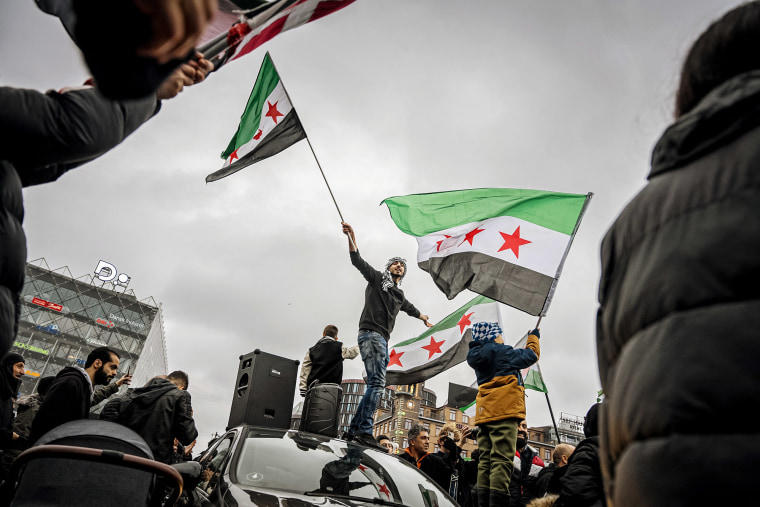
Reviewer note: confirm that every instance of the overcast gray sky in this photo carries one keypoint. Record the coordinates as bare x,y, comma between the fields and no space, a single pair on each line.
397,97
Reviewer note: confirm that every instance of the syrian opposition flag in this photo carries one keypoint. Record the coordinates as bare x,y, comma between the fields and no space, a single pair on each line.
440,347
531,375
268,125
261,22
507,244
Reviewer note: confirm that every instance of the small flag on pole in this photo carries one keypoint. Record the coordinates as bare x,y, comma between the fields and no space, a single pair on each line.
268,125
506,244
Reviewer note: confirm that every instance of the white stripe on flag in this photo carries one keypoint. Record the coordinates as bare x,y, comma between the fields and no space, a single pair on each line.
277,98
412,355
543,251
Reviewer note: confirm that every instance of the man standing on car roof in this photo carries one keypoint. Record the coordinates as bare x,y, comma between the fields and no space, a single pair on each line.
383,299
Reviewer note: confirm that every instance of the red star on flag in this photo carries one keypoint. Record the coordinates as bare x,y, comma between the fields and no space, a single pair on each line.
233,156
273,112
464,322
433,347
438,243
396,358
513,242
384,489
362,468
258,134
471,235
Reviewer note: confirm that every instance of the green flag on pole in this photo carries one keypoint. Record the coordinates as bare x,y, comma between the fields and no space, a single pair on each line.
268,125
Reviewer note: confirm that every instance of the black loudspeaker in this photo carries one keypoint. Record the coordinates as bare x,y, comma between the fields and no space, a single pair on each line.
264,391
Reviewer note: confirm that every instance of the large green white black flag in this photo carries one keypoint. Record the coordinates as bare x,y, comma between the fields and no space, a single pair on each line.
507,244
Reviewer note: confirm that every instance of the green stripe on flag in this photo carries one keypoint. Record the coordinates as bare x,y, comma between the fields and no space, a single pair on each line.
422,214
266,82
449,322
534,380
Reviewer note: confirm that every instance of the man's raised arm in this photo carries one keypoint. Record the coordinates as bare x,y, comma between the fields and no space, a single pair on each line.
349,231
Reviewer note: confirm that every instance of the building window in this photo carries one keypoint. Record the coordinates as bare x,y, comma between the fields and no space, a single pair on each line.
407,424
422,412
547,455
426,426
406,443
465,419
410,404
452,415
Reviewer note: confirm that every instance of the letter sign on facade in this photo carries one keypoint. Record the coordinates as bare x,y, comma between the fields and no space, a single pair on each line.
106,272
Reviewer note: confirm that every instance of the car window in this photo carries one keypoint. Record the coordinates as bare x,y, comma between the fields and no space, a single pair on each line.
304,464
213,462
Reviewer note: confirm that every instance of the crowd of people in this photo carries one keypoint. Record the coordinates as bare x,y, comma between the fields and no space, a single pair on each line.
160,412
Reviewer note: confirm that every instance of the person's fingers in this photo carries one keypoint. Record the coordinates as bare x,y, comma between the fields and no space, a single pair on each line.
167,25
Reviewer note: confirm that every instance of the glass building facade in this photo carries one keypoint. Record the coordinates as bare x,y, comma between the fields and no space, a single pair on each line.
63,319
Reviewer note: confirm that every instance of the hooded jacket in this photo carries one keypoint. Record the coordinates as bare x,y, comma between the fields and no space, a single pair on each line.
9,386
68,399
501,393
679,311
159,412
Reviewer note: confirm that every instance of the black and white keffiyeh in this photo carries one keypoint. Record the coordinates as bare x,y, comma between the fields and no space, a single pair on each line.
387,278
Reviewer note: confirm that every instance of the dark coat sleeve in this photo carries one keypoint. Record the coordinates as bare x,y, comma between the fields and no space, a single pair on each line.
581,484
46,134
103,393
111,410
184,425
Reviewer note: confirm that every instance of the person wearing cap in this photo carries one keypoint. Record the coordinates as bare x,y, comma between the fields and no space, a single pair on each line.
383,300
500,405
11,370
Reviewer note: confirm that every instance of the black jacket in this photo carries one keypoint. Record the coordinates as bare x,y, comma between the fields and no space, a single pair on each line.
158,412
68,399
43,135
437,468
380,307
581,484
679,312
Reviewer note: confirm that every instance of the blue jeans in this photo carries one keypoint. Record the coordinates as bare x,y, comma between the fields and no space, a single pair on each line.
374,351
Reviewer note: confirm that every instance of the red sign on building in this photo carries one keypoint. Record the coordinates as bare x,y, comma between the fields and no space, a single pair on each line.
47,304
104,322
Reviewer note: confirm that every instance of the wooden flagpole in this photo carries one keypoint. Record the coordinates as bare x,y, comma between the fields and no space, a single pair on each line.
292,104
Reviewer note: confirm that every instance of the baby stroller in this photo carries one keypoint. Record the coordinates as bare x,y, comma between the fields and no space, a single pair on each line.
89,462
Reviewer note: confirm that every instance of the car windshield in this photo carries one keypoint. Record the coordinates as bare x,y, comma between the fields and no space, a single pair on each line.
309,464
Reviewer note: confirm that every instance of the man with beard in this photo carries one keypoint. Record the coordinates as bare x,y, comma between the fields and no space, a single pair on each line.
523,487
383,300
70,396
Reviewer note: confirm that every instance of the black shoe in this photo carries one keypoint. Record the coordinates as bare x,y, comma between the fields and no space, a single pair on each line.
367,440
347,436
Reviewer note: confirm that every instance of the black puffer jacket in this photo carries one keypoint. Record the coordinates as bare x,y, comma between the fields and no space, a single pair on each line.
677,328
43,135
158,412
581,481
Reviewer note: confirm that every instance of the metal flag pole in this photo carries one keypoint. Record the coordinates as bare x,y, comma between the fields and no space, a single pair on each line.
312,149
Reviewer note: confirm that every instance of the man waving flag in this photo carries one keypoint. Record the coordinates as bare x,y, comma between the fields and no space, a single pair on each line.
268,125
507,244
